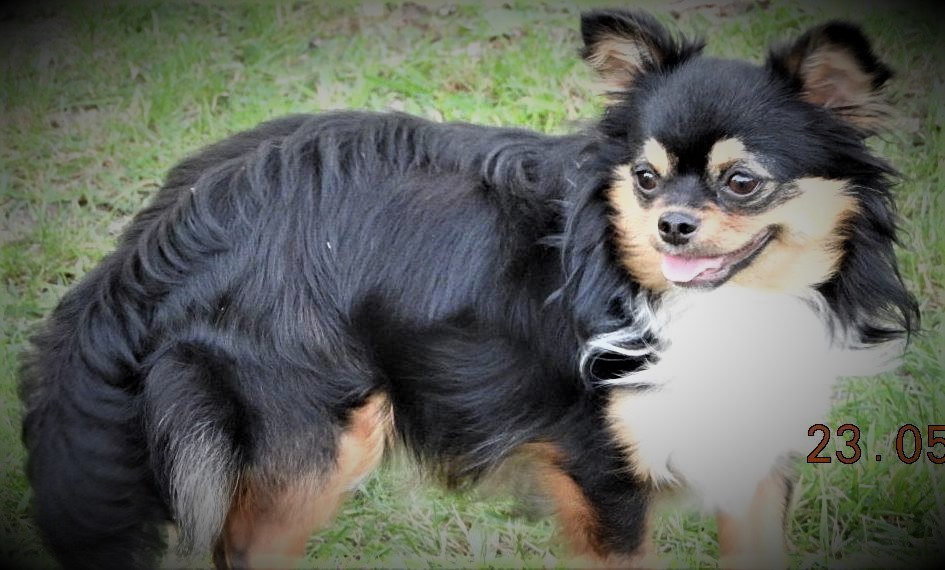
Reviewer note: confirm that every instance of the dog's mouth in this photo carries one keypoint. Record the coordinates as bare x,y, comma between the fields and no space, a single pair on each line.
694,271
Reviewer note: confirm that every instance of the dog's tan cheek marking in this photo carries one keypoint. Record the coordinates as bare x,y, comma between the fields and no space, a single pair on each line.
269,524
724,233
656,155
809,248
633,228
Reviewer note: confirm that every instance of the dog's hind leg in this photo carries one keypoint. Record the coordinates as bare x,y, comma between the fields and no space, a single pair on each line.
252,452
270,519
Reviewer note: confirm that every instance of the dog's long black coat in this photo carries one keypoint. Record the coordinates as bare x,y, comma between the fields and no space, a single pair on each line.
282,276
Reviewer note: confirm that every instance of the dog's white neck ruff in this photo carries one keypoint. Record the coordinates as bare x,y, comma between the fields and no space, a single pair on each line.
735,379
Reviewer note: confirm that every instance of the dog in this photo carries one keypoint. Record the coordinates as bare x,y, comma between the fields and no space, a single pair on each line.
659,300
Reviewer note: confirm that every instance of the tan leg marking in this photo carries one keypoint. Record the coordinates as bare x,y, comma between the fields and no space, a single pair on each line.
576,516
269,522
755,539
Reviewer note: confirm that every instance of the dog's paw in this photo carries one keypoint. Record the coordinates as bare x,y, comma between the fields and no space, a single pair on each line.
753,561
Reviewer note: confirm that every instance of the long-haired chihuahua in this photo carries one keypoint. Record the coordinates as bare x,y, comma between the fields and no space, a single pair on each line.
659,300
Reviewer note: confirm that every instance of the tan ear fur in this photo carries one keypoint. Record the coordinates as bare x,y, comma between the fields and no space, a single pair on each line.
834,67
622,45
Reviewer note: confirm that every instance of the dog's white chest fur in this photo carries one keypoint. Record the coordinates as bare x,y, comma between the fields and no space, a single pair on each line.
742,376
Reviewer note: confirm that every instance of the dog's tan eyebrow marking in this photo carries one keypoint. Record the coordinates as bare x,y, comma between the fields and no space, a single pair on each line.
726,152
656,155
729,151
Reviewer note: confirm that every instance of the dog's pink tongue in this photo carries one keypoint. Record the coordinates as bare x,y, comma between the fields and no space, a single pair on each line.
685,269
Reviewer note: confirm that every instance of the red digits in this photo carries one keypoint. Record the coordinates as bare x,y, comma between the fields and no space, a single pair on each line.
933,441
853,443
917,439
814,456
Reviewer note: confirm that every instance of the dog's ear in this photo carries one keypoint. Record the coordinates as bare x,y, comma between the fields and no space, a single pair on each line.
621,45
834,66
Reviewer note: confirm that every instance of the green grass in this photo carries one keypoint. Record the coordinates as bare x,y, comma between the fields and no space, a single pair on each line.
96,104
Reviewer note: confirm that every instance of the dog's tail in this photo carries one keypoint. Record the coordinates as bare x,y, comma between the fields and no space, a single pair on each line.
123,436
120,443
194,415
93,494
100,488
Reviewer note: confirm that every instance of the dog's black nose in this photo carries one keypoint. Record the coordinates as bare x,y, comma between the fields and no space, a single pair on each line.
676,228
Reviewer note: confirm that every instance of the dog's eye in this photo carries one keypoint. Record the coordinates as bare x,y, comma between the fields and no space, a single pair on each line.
646,178
741,184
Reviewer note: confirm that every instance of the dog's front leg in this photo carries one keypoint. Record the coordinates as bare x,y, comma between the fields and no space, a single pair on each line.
754,537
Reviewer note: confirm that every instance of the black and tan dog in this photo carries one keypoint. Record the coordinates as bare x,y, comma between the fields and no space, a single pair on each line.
659,300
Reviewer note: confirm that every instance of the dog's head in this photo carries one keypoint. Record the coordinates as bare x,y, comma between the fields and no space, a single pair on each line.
730,172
